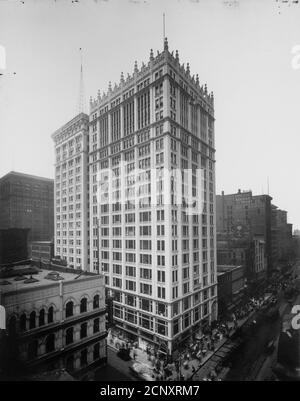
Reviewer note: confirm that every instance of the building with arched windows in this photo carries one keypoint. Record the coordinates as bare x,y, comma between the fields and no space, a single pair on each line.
56,318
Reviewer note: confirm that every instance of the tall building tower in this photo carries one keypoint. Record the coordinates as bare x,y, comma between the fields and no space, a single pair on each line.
26,201
158,259
71,192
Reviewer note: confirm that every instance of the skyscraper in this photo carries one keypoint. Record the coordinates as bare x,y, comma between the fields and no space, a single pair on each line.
71,192
158,256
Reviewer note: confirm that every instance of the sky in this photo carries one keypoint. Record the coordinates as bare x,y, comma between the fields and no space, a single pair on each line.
242,49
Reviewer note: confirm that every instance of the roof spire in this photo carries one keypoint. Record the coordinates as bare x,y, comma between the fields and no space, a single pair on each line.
81,107
164,27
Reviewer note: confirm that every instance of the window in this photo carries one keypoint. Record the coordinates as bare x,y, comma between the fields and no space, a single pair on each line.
161,276
42,317
161,327
69,335
69,309
96,325
83,305
96,351
96,302
161,292
130,285
145,289
32,318
12,326
83,357
50,314
23,322
146,274
50,343
83,330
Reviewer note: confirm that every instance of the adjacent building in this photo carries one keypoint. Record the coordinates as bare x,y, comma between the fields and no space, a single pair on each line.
54,319
249,216
159,260
26,202
42,251
281,236
246,251
231,286
72,192
13,245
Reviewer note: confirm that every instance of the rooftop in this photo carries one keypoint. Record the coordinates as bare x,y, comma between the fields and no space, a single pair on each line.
225,268
139,73
24,175
18,278
73,124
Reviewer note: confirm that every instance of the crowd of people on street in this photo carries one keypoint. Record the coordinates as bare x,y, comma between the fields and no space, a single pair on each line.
204,343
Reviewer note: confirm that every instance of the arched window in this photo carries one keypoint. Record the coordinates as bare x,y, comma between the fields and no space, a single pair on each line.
50,314
96,351
69,309
96,325
69,335
50,343
83,330
12,326
23,322
33,349
32,319
83,357
83,305
70,363
42,317
96,302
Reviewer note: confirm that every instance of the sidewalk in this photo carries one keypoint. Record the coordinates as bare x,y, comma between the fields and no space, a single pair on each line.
187,372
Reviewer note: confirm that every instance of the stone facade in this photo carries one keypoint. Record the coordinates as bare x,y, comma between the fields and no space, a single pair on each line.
59,324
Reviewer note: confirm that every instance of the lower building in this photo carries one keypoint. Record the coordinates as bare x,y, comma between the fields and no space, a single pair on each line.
13,245
42,251
246,250
54,319
231,286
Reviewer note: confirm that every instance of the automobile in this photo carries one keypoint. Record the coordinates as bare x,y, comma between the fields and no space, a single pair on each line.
124,353
142,371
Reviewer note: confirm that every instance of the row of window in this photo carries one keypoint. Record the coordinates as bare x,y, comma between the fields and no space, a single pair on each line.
35,321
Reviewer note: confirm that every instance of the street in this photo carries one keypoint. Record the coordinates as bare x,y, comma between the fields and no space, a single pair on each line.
116,369
253,363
